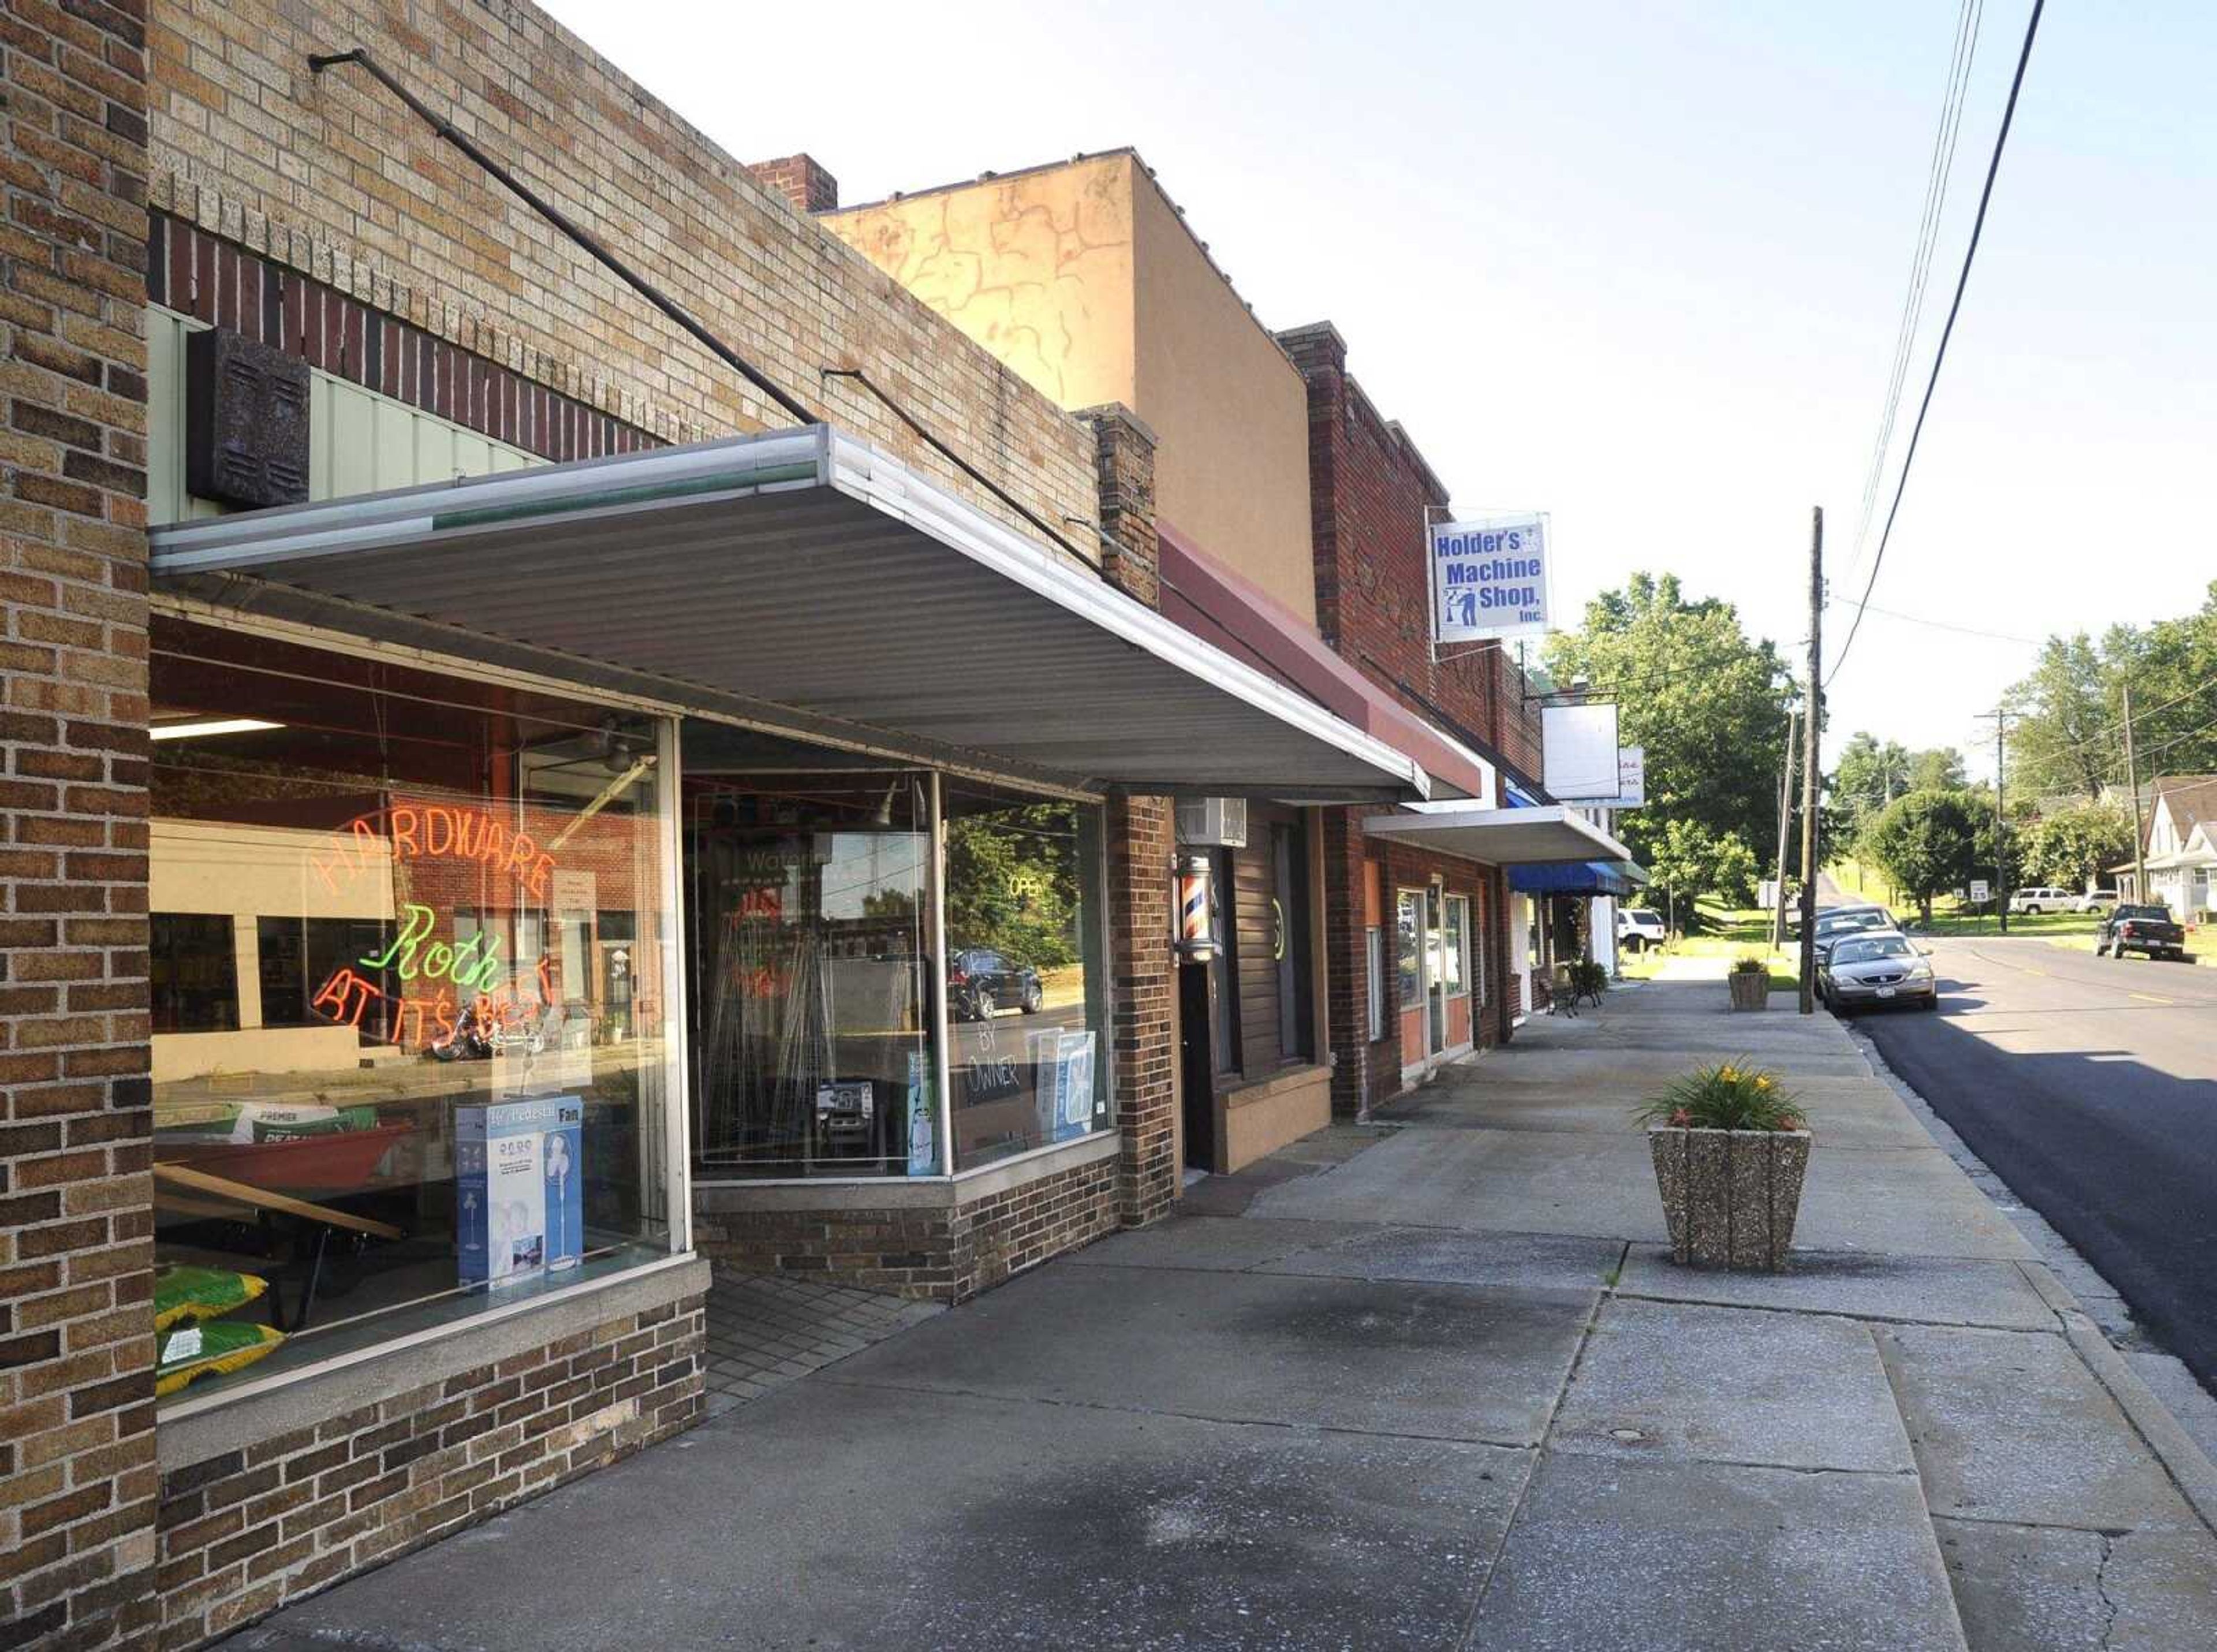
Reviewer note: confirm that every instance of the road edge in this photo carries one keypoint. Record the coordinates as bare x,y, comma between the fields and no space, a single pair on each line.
2182,1460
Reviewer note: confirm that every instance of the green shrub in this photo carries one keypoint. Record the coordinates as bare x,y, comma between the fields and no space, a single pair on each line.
1587,976
1730,1096
1751,963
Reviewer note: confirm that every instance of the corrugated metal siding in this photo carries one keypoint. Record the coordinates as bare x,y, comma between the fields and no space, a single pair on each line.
359,441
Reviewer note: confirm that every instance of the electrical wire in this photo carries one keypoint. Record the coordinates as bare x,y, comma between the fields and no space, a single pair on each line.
1969,16
2140,715
1944,624
1948,332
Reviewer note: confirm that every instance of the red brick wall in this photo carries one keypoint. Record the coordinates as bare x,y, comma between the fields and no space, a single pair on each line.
803,184
1371,495
244,1532
1141,838
76,1329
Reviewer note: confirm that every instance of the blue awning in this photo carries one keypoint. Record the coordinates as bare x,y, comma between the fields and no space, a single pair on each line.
1576,877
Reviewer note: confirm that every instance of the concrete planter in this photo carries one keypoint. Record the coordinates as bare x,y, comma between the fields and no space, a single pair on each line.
1749,992
1731,1196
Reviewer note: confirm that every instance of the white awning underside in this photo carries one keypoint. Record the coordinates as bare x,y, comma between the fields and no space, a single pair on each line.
1518,837
801,582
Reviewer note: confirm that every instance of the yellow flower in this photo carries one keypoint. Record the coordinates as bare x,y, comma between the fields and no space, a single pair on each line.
1763,1081
1728,1075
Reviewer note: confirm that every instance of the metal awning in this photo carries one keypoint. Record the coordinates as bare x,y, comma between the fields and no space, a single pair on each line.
802,582
1514,836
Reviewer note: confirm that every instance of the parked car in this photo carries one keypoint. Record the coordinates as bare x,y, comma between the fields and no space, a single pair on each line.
2095,900
1838,921
980,981
2151,929
2033,902
1639,927
1870,968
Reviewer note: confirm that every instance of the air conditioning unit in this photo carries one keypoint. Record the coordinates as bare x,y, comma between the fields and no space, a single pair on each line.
1212,822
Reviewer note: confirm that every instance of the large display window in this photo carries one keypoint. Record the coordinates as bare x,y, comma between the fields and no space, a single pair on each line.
410,1024
839,918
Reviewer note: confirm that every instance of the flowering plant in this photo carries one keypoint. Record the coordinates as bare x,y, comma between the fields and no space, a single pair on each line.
1730,1096
1751,963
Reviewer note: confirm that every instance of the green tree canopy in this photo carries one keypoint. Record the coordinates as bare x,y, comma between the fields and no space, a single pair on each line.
1708,704
1688,860
2071,848
1929,842
2068,736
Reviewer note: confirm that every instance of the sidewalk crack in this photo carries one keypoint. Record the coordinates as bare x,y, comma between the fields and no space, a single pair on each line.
2101,1588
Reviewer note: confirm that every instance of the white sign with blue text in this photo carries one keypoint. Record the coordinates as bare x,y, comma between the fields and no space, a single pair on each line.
1489,578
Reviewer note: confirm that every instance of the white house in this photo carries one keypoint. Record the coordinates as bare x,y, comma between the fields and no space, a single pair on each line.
2179,844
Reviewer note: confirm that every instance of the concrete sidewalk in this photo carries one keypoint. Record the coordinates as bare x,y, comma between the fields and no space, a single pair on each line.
1428,1383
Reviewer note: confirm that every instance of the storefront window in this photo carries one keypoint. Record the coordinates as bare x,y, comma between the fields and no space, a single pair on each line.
807,899
1408,925
410,1027
1026,980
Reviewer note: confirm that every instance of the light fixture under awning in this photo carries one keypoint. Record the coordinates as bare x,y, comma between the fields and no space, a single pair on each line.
809,584
1516,837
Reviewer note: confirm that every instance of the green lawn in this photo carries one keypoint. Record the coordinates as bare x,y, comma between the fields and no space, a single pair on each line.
1947,921
1731,933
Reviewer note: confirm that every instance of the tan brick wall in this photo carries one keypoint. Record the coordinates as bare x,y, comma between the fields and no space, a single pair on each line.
331,175
76,1329
247,1531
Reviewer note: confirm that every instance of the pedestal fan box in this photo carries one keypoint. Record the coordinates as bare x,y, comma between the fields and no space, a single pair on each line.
519,1188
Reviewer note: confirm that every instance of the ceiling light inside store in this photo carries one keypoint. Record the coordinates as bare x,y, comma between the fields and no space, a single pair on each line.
206,726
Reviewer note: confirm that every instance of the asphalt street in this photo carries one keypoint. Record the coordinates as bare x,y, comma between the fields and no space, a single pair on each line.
2090,1085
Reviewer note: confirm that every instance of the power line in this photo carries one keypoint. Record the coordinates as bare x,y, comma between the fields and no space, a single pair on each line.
1941,170
1954,308
1945,625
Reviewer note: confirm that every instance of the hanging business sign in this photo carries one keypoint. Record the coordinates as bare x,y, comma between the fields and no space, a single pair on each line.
1489,578
1578,752
1631,779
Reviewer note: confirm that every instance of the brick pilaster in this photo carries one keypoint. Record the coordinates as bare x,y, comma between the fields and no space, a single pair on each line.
1141,841
77,1342
799,182
1347,969
1131,558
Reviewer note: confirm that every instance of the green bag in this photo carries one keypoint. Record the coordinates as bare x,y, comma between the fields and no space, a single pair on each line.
201,1294
293,1129
193,1350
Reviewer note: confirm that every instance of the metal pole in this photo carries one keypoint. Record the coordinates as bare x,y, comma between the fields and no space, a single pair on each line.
2001,881
1785,824
2132,785
1811,720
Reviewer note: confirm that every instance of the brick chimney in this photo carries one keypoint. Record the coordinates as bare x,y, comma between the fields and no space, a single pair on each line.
806,187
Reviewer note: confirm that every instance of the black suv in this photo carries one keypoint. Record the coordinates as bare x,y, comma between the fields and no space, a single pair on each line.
980,981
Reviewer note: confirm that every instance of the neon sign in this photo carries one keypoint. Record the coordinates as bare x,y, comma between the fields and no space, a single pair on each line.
465,965
432,831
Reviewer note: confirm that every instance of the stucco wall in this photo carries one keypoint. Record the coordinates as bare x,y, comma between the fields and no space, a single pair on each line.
1083,278
1035,266
1230,410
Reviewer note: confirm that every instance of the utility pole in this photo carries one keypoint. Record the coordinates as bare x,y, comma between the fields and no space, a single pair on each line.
2132,785
1812,718
1785,820
2000,715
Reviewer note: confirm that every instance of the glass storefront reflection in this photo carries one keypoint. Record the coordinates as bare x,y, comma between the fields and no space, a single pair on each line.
1024,981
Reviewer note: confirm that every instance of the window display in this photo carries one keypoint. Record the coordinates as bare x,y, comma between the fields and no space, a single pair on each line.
396,914
807,901
1026,982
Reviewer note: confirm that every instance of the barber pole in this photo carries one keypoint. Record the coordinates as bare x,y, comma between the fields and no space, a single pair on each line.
1196,930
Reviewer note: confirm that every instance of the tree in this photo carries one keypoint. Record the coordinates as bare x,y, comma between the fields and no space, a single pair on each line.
1689,861
1928,842
1871,775
2068,736
1707,704
1937,771
2071,848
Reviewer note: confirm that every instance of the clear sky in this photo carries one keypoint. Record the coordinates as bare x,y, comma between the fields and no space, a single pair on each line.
1640,265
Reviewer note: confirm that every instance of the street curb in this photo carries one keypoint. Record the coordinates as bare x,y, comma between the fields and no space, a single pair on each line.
2188,1465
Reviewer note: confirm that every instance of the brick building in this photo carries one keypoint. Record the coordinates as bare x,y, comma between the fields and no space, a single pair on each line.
829,960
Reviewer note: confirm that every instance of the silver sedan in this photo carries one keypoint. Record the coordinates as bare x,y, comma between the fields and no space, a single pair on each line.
1880,967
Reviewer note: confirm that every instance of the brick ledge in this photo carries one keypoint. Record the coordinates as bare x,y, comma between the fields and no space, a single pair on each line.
229,1422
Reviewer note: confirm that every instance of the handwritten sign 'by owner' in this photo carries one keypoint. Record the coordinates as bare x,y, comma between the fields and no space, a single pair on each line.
1488,578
